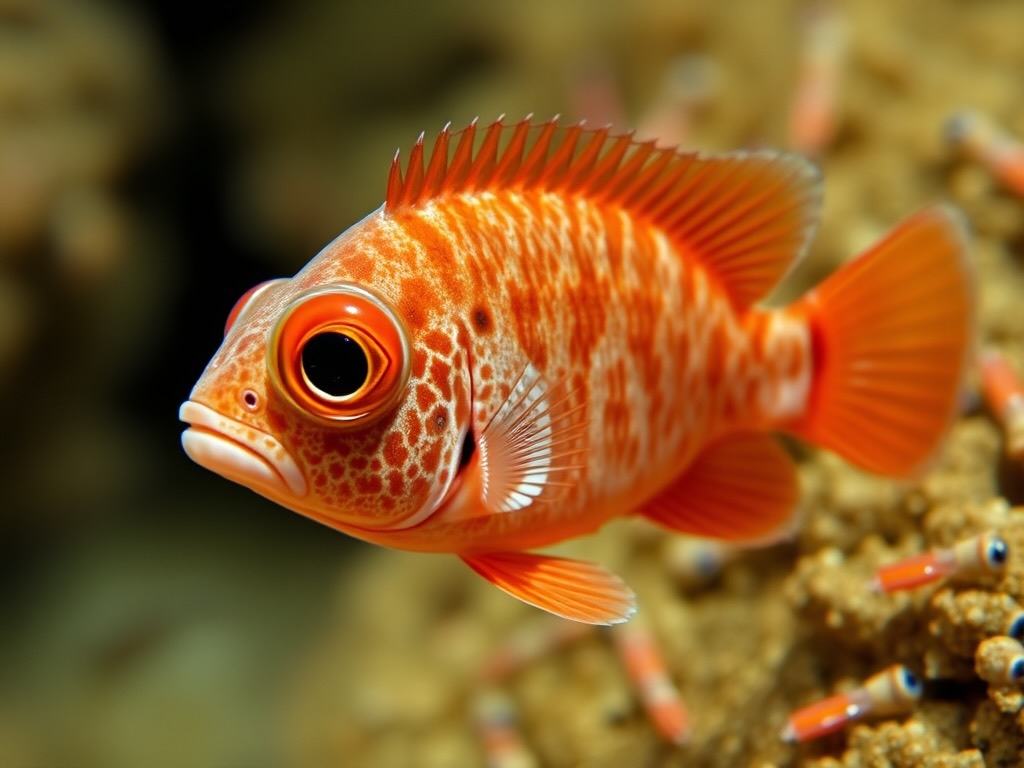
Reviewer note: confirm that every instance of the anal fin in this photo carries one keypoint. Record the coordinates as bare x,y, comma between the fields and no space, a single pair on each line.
743,488
572,589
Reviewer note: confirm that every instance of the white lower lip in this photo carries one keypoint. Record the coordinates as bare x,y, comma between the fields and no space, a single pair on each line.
239,452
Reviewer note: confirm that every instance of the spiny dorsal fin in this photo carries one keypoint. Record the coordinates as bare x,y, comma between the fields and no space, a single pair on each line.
746,216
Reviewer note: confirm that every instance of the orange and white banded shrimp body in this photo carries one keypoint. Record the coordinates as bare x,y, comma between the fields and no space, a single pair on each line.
547,327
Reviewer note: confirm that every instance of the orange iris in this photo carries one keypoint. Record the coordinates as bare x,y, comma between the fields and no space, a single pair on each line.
340,354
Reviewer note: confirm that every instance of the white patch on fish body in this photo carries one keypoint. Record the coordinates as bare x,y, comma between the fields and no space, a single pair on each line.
783,396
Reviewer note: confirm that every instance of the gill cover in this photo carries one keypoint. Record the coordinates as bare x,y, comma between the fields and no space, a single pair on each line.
340,354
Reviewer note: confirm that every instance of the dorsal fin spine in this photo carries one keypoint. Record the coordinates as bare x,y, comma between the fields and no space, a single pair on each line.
582,170
533,165
558,164
438,164
658,186
394,191
462,160
629,173
414,173
512,156
612,160
487,157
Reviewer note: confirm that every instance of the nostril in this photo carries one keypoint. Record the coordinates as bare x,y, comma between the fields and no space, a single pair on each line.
250,400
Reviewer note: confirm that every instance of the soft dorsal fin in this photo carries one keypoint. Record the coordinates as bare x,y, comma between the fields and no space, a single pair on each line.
746,216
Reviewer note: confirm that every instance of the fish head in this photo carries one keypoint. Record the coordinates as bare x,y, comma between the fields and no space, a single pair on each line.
323,399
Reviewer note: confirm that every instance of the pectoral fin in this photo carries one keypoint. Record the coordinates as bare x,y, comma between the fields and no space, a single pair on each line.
572,589
533,444
743,488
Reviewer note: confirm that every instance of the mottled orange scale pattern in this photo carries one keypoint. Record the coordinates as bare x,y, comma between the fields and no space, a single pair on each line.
658,357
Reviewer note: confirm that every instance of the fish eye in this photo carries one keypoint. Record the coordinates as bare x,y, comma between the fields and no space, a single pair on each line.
994,552
340,354
245,301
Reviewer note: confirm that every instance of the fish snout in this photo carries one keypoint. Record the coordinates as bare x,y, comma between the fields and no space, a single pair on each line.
240,452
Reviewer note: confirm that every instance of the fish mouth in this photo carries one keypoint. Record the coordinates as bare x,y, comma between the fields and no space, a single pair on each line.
239,452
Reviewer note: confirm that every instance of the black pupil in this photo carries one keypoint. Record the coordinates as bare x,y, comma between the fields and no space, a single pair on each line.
335,364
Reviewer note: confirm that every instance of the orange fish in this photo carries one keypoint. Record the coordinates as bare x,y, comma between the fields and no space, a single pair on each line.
547,327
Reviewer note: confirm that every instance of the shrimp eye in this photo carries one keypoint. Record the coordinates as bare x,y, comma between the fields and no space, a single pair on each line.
340,354
1017,670
245,301
1015,626
908,684
994,553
